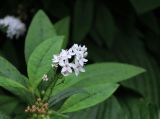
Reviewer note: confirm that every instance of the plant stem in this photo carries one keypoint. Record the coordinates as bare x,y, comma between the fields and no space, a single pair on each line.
51,87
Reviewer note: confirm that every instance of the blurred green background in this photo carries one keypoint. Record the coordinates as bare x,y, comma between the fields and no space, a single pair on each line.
125,31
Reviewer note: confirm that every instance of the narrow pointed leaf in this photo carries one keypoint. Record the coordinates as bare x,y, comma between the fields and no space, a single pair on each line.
14,87
83,16
100,72
142,6
63,27
40,29
9,71
41,59
105,25
93,95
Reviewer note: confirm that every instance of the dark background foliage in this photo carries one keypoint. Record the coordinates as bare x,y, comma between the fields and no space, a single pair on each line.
125,31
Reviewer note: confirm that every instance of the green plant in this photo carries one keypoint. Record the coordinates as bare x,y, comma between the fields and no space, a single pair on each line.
35,98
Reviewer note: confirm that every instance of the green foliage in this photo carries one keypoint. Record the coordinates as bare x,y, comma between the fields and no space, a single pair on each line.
8,101
63,27
16,88
125,31
142,6
98,74
40,61
92,95
40,29
3,116
119,107
146,84
9,71
83,16
105,25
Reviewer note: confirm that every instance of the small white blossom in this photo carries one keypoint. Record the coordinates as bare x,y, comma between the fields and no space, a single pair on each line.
45,77
65,55
81,60
78,68
66,68
13,25
71,52
55,60
75,48
78,56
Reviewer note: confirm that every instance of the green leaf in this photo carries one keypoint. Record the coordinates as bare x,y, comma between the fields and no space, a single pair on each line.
83,16
110,72
123,106
136,107
110,109
148,83
8,101
63,27
142,6
4,116
98,73
19,111
40,29
14,87
105,25
63,95
94,94
41,59
89,113
57,115
9,71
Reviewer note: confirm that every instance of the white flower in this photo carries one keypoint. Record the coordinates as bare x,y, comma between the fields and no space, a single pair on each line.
76,55
81,60
55,60
64,55
77,68
79,50
14,26
59,59
45,77
75,48
71,52
66,68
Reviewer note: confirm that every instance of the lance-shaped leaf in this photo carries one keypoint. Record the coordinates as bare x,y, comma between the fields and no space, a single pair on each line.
98,73
105,25
142,6
83,17
14,87
94,94
62,27
40,29
41,59
9,71
121,107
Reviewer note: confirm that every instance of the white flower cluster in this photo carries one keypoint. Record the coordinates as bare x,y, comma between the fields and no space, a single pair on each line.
76,54
13,25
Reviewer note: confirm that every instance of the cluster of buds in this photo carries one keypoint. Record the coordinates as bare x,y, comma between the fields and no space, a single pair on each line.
39,107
